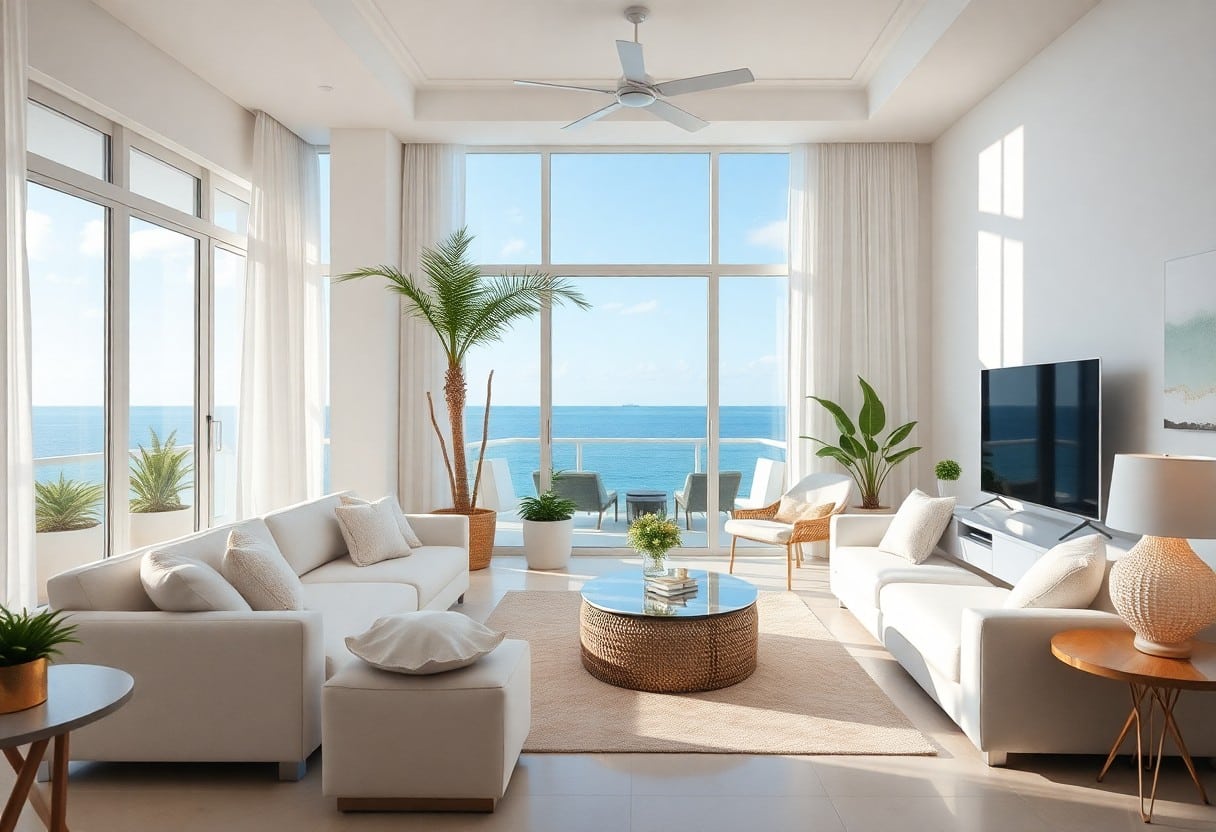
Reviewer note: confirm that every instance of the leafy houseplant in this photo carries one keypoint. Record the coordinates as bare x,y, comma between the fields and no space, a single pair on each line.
65,505
866,456
159,474
548,507
466,310
947,472
27,641
548,527
652,536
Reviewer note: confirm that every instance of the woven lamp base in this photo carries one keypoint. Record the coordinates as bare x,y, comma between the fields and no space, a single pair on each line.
1165,593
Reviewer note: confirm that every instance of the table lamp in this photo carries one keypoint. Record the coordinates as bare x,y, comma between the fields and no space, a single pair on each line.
1161,588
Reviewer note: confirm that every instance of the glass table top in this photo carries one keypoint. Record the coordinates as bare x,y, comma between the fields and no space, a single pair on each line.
624,593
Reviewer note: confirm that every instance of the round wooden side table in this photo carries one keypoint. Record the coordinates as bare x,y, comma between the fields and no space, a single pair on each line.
77,695
1155,683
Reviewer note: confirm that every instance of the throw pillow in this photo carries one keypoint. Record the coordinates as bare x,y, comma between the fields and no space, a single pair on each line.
371,532
1067,577
411,538
917,526
176,583
424,642
261,574
792,510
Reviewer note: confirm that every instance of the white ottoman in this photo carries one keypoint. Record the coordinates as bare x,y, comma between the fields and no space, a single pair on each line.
442,743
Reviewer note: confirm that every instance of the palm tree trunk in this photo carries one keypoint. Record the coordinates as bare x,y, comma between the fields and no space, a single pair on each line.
454,394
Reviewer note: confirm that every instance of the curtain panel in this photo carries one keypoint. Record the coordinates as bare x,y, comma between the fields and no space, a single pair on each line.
853,292
279,445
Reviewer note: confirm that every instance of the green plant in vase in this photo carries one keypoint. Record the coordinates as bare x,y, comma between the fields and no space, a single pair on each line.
159,474
653,536
28,641
65,505
947,472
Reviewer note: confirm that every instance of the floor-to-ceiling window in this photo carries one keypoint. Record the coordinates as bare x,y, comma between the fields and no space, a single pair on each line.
674,381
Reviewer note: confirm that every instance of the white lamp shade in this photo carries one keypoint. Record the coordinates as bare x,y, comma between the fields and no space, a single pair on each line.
1163,496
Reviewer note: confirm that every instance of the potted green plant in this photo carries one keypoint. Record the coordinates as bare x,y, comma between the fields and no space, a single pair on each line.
67,522
861,449
653,536
947,472
548,527
160,472
27,642
465,310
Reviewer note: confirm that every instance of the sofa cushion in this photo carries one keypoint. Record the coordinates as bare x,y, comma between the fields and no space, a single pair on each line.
766,531
109,584
791,510
407,531
929,617
348,609
917,526
424,643
371,531
209,546
428,571
1067,576
308,533
176,583
258,571
867,569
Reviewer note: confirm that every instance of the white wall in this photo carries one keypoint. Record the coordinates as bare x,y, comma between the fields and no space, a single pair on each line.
82,52
1118,117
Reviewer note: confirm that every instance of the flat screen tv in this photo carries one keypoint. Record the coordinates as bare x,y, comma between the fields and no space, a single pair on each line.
1041,435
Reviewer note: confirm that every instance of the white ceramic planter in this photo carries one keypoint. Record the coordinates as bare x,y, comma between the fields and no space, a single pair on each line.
947,488
158,526
547,543
879,510
60,551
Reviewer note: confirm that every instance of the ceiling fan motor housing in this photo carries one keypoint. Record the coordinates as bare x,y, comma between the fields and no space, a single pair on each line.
635,97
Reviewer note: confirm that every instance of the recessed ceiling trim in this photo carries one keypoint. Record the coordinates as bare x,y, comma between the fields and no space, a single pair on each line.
901,16
380,25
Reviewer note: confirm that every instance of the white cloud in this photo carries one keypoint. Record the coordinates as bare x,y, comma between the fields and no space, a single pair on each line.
611,306
511,248
37,234
149,243
770,235
93,239
643,308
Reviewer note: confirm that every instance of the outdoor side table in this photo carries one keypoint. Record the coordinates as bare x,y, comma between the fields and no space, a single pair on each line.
644,501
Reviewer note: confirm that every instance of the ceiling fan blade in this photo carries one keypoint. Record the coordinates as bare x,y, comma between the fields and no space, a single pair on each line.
561,86
632,64
596,116
713,81
678,117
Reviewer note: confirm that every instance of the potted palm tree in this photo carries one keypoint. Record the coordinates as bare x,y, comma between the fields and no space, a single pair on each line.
548,527
67,517
27,643
160,473
466,310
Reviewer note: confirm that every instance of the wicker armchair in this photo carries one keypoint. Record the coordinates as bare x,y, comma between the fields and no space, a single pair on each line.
761,525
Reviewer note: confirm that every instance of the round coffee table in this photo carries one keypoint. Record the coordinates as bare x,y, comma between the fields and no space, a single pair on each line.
635,640
644,501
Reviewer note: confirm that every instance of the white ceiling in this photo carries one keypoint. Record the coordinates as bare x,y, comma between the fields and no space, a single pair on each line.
428,70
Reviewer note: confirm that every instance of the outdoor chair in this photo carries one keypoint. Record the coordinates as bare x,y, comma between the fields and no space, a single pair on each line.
761,524
587,491
767,484
694,495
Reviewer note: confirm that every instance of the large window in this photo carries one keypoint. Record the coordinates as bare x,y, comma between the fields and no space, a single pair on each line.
675,380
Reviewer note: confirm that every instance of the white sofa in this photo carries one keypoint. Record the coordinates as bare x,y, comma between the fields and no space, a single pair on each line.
989,668
245,686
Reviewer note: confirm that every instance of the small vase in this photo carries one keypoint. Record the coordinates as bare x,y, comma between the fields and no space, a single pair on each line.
22,686
653,566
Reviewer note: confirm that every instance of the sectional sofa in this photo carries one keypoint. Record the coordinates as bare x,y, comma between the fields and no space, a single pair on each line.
989,668
245,686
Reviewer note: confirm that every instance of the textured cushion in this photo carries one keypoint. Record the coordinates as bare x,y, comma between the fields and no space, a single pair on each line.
1068,576
930,618
259,572
766,531
307,533
371,532
429,571
917,526
411,539
862,571
176,583
425,642
791,510
348,609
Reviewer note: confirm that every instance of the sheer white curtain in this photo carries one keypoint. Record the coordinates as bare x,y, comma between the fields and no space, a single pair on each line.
279,445
17,451
432,197
853,291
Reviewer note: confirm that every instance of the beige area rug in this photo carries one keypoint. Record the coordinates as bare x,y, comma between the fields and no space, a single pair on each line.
807,696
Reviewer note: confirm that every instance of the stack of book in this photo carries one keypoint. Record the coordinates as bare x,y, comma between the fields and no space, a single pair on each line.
670,586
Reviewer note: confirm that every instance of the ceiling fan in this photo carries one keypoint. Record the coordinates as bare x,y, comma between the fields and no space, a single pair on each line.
637,90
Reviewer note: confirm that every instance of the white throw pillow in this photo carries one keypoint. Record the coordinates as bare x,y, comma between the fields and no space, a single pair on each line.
371,532
411,538
176,583
1067,577
261,574
424,642
917,526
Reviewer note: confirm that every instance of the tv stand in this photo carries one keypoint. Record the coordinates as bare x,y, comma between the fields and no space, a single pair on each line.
990,500
1085,524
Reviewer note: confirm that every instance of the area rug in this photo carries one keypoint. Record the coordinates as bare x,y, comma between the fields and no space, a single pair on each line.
807,696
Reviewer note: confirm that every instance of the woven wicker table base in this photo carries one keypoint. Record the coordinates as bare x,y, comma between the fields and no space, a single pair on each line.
669,655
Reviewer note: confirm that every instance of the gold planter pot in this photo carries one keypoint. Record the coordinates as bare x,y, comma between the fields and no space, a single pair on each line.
22,686
483,523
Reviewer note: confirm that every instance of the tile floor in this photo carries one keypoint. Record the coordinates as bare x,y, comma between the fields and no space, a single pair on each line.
643,792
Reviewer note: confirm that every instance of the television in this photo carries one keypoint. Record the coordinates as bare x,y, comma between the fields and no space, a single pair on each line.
1041,435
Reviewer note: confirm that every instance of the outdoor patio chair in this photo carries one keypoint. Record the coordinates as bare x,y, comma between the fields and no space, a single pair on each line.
761,524
767,484
587,491
694,495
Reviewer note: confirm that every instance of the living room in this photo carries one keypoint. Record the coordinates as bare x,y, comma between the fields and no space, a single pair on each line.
959,202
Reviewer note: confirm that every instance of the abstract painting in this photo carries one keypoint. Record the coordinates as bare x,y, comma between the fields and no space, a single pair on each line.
1190,342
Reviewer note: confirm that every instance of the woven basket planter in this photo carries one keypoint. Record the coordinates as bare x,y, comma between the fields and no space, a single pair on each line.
482,523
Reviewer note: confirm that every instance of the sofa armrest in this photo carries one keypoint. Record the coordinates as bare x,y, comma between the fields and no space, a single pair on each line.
859,529
441,529
209,686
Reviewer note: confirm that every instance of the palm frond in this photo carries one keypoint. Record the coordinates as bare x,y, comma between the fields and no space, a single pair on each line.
418,303
159,474
65,505
511,298
26,636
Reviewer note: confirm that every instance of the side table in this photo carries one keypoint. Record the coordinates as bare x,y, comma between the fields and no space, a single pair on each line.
1155,683
644,501
77,695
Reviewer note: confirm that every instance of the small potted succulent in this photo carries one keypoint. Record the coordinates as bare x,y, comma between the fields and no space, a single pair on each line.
67,518
947,472
27,643
548,526
652,536
160,473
